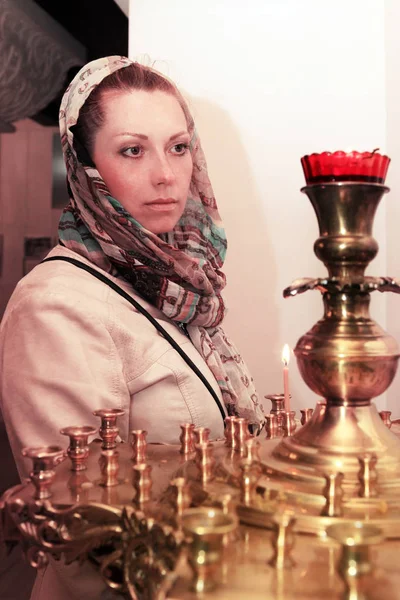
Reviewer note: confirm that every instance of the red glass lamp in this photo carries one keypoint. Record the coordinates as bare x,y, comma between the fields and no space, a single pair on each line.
356,166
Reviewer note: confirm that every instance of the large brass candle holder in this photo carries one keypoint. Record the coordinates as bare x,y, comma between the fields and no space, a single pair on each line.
346,358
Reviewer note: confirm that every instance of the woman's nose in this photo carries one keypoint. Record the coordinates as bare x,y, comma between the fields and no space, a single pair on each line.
162,171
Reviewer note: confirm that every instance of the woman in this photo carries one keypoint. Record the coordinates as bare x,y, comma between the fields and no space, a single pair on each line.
142,213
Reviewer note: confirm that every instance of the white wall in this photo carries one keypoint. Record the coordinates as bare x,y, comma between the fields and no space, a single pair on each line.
270,81
392,47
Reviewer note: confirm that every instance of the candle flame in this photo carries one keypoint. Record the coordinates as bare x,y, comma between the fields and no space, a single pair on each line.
286,355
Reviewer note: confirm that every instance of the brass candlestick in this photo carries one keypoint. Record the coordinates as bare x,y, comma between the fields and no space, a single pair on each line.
109,467
283,540
142,482
201,435
108,430
240,434
44,460
139,445
206,527
187,438
277,408
205,461
355,563
346,357
248,480
333,493
252,446
78,450
271,426
368,476
182,497
306,414
289,423
230,431
385,416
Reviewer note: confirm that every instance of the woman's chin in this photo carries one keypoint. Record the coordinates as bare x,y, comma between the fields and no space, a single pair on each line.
160,225
163,221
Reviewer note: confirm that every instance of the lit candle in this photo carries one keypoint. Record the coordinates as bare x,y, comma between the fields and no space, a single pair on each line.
351,165
285,360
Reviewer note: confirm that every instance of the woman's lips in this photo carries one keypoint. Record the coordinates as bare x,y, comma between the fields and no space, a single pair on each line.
162,204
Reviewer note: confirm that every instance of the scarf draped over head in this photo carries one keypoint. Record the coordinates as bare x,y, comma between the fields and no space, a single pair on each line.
178,272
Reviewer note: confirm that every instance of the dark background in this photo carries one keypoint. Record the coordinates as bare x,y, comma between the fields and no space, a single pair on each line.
99,26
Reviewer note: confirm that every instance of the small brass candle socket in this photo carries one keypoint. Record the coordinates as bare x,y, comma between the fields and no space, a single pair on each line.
385,416
44,459
139,445
205,461
230,431
187,438
109,467
201,435
108,430
278,407
306,414
252,450
271,426
248,481
78,449
368,476
240,434
142,483
206,529
354,563
283,540
333,493
289,423
182,496
228,506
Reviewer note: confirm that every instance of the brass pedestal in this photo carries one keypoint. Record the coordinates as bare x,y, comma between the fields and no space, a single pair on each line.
333,441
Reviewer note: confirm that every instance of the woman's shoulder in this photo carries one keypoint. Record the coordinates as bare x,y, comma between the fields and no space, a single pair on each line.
58,278
58,284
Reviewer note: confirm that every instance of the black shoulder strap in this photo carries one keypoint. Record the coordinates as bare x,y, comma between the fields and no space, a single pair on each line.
144,312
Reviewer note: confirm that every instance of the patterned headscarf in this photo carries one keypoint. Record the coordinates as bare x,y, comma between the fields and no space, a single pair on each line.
178,272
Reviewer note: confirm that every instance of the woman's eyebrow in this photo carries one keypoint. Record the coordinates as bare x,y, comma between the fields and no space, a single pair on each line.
145,137
130,133
176,135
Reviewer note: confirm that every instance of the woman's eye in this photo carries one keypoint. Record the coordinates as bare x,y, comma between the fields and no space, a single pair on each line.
180,148
133,151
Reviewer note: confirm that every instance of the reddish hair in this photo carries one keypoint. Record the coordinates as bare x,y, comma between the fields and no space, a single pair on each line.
126,79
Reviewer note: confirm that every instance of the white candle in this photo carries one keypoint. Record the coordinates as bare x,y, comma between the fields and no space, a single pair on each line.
285,360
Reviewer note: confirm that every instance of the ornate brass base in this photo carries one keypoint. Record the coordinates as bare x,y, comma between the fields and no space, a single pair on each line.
333,441
342,465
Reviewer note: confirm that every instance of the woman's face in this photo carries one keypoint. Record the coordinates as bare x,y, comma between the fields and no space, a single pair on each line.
142,153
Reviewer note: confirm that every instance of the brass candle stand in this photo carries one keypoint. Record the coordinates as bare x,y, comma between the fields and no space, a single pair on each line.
348,360
168,527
